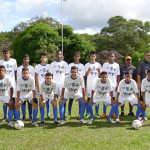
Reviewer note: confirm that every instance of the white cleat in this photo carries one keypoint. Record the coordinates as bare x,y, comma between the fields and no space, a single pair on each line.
11,124
35,124
112,121
62,122
91,122
82,121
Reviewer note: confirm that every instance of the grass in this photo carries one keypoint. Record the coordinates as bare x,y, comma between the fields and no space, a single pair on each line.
100,135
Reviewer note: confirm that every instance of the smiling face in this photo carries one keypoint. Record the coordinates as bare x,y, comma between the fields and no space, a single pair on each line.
104,78
74,73
25,74
48,79
2,72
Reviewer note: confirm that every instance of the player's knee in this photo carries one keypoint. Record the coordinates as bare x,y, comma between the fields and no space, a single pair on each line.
11,106
42,105
35,106
54,105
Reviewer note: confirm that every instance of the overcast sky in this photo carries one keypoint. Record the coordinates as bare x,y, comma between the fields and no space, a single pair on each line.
85,16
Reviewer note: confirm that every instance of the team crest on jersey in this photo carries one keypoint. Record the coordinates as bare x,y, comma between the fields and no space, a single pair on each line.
7,66
73,84
111,68
58,66
103,88
26,85
1,84
44,69
127,88
94,68
48,89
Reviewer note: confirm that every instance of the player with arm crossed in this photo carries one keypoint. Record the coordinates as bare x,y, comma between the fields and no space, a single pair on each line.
128,91
48,92
26,92
26,60
102,92
71,90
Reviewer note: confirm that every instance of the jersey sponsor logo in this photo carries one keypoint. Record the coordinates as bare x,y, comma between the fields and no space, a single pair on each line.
26,90
127,94
102,93
110,73
93,73
2,90
73,90
58,71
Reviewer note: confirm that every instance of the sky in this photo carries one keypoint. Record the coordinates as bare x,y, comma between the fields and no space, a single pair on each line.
84,16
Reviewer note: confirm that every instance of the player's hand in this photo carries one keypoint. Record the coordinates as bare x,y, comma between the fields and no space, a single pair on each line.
143,106
98,69
91,101
90,69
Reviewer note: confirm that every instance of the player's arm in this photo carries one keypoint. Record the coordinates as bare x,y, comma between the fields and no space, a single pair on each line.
99,72
18,97
139,81
143,103
118,80
92,93
83,93
89,69
11,94
16,74
111,95
36,82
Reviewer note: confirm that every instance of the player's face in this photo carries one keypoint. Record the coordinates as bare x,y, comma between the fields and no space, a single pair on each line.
43,59
147,57
148,76
111,57
59,55
92,57
128,78
77,58
2,72
128,62
48,79
25,74
6,55
26,60
74,73
104,78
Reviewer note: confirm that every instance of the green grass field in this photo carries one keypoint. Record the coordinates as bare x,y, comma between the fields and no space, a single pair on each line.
100,135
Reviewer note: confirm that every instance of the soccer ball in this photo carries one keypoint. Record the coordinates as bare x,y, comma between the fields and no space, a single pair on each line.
136,124
19,125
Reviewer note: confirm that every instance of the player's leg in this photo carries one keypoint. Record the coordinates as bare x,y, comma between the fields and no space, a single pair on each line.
5,113
104,111
83,106
122,110
91,112
30,110
54,105
130,110
87,109
23,109
48,109
69,108
17,108
97,112
42,112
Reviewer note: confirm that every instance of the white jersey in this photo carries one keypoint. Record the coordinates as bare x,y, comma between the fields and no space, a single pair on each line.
73,85
25,87
102,89
59,69
47,90
112,70
127,89
31,70
146,87
41,70
10,66
81,68
5,83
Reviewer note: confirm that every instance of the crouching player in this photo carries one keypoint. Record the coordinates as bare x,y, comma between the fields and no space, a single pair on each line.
26,92
48,92
128,91
71,90
103,92
5,83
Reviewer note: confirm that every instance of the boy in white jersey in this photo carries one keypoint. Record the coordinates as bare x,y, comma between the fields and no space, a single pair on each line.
40,71
102,92
92,72
26,60
5,83
71,90
48,92
81,71
59,69
11,70
145,89
128,91
26,92
113,71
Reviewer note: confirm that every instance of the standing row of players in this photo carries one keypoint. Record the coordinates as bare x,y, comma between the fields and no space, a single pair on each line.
53,84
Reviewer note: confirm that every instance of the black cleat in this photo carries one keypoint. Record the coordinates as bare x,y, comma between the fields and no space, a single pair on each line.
42,124
131,113
56,123
122,114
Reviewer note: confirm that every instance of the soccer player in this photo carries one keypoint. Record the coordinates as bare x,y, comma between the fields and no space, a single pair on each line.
59,69
128,67
145,89
48,92
26,92
102,92
81,71
113,71
40,71
128,91
11,70
71,90
5,83
92,72
26,60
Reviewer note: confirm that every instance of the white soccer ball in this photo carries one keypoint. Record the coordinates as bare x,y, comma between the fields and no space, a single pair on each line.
19,124
136,124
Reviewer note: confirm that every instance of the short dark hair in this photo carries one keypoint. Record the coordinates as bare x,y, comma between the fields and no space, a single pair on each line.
43,54
49,74
76,53
6,50
148,71
2,67
147,52
25,56
127,73
111,53
103,72
92,52
25,69
58,51
74,67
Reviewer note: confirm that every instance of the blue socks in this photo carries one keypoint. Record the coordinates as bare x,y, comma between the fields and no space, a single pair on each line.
96,109
83,106
35,112
55,114
5,111
42,114
48,107
17,114
23,109
10,115
91,111
61,111
113,109
104,108
138,111
69,108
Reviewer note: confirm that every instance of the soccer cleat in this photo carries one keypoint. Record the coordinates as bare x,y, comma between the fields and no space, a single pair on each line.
62,122
117,120
82,121
49,118
131,113
4,120
103,115
122,114
142,119
112,121
42,124
56,123
23,118
30,118
87,116
66,118
91,122
97,116
114,115
69,116
11,124
35,124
